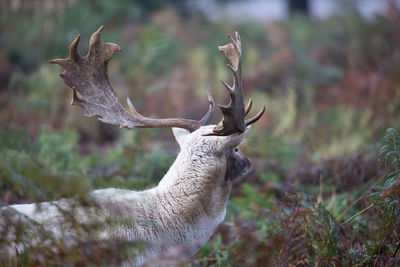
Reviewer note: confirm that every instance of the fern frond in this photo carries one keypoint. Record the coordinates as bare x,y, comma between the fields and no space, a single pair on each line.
390,149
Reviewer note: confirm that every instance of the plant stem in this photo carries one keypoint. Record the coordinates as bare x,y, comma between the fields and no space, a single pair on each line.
360,197
397,249
358,213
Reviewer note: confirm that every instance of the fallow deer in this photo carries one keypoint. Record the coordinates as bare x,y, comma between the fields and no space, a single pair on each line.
184,209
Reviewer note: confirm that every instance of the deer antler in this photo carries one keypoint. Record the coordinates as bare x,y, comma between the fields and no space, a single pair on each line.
92,91
235,112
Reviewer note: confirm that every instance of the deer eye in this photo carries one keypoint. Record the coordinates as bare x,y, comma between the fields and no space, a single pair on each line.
236,150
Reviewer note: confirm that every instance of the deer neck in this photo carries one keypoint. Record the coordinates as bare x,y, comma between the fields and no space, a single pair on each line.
195,181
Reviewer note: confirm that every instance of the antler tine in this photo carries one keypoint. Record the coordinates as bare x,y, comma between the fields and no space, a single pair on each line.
207,117
256,117
237,43
235,112
73,52
248,107
92,90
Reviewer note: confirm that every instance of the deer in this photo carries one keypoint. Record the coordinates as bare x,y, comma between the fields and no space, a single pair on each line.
182,212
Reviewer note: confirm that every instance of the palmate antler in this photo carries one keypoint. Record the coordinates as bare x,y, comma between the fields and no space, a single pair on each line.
235,112
92,91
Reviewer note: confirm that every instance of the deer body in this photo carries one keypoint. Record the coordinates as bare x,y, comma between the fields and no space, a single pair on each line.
177,217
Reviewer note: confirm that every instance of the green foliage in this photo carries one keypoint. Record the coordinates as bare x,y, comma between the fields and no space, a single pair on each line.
281,149
323,233
35,170
306,229
39,91
59,150
158,50
252,199
155,164
220,255
390,149
80,17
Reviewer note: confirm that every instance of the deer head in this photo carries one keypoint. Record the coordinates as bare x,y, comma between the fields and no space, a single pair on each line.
92,91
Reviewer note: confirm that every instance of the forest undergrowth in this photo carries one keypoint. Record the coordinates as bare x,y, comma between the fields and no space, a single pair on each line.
325,190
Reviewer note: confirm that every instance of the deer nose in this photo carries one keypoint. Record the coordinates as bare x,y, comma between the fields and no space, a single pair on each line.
249,163
248,166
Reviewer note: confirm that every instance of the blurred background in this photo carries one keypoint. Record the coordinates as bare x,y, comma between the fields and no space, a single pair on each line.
328,72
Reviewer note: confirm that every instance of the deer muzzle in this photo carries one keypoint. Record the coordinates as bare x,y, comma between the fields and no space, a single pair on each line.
237,166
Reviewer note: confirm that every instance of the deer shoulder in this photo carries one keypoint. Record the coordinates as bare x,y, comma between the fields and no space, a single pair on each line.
183,210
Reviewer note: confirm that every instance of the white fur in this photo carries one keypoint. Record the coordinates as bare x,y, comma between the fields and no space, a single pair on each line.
179,215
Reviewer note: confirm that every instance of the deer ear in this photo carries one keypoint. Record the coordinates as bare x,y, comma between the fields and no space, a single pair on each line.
180,135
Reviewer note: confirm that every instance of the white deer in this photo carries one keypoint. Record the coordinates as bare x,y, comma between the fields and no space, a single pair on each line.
183,210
